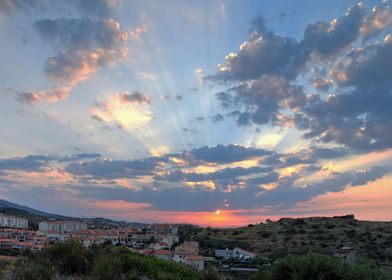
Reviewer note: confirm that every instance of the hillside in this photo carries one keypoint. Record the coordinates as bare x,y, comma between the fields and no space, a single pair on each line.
371,240
4,204
35,216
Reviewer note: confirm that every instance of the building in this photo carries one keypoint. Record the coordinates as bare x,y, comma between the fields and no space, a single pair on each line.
225,254
162,254
19,239
236,253
243,254
195,261
187,248
62,226
348,254
13,222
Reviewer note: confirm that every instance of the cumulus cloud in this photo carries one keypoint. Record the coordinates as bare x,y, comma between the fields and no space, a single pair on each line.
267,53
84,46
329,38
379,18
262,100
269,89
362,101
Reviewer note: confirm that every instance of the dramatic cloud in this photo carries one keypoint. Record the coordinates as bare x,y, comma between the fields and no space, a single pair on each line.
362,101
326,39
84,45
266,53
262,100
376,21
271,92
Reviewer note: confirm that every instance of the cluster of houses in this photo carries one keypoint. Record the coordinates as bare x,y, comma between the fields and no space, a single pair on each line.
185,253
155,239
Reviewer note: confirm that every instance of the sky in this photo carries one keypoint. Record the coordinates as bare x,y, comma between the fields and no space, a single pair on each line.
218,112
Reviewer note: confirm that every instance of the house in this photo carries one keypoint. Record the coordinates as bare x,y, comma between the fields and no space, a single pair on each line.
348,254
243,254
162,254
225,254
236,253
187,248
195,261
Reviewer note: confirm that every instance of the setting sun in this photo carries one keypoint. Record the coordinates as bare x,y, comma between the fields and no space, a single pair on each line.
217,212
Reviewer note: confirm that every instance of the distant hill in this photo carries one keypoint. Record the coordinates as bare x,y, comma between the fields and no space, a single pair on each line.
35,216
4,204
371,240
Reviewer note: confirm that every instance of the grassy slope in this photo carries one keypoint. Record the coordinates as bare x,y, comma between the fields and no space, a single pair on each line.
373,240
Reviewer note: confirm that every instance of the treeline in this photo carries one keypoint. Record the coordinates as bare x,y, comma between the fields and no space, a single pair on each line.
71,260
318,267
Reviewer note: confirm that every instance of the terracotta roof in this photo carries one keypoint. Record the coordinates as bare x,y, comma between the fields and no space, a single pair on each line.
161,252
194,258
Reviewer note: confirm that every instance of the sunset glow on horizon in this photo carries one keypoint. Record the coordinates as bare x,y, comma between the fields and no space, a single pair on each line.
217,113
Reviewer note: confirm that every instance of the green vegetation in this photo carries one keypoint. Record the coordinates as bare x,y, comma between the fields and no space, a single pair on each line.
370,240
318,267
66,261
73,261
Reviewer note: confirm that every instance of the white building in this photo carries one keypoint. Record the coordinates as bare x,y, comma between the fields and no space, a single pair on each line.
237,253
13,222
62,226
225,254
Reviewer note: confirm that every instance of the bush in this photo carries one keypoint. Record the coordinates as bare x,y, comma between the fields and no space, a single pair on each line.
73,261
317,267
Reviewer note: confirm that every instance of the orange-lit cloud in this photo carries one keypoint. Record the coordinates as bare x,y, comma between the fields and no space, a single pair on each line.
116,110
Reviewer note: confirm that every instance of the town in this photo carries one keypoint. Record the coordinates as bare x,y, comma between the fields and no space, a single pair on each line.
158,240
